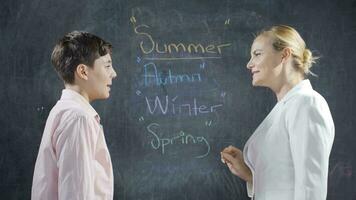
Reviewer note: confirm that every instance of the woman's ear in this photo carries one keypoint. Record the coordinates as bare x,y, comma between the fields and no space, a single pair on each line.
286,53
82,71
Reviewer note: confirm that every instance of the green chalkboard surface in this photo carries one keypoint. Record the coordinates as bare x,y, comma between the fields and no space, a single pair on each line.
182,94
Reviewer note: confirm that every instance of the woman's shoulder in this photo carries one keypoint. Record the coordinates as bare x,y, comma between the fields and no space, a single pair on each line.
308,97
307,103
310,104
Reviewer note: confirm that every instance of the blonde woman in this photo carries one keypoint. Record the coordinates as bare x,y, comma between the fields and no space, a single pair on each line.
287,156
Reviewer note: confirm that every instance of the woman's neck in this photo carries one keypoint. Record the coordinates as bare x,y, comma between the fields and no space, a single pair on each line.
285,85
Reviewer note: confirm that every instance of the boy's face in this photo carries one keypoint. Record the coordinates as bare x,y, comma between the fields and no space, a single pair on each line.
100,78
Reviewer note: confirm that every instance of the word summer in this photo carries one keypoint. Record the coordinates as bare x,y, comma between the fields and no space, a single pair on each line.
151,46
169,106
180,139
153,77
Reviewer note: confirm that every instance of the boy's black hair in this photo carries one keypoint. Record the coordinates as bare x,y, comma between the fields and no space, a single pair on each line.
77,47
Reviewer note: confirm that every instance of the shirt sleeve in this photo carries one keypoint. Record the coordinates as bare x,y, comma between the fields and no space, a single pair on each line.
75,159
311,132
249,185
250,188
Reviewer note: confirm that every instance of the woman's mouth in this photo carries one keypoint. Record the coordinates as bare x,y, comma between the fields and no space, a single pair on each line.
255,72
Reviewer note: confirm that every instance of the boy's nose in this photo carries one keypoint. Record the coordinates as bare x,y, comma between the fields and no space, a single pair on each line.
114,74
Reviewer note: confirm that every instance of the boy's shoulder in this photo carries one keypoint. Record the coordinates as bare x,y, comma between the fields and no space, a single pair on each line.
70,110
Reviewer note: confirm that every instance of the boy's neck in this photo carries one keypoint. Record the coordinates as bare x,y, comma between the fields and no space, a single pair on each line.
77,89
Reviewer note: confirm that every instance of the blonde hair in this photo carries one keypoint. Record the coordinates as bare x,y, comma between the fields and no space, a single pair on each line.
286,36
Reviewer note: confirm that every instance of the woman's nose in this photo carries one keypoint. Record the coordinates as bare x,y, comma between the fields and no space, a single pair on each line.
249,64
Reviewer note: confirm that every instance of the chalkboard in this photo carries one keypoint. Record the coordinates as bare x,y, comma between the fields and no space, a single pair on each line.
182,94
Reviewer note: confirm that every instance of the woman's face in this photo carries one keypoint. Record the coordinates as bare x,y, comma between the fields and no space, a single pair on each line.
265,63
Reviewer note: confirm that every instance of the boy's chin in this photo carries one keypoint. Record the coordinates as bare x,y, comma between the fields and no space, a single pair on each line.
101,97
106,96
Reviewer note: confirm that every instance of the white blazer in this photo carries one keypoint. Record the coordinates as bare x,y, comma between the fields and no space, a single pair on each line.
288,153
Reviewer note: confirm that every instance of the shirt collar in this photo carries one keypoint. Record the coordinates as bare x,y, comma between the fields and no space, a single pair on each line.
303,85
68,94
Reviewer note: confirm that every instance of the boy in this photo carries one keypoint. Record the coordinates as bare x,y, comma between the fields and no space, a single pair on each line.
73,161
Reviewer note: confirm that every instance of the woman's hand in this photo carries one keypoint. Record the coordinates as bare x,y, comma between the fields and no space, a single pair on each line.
234,159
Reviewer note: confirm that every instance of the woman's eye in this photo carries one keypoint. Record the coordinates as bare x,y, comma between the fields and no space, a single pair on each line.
257,54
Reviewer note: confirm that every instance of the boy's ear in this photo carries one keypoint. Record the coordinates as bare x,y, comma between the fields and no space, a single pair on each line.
82,71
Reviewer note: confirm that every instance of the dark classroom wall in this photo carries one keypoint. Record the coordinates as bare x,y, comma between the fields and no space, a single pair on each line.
182,93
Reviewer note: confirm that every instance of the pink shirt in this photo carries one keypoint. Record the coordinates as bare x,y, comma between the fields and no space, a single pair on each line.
73,161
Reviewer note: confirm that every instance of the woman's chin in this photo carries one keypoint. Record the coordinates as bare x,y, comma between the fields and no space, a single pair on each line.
255,83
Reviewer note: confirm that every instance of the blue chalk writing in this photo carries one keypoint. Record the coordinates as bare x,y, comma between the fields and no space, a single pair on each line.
153,77
170,106
180,139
